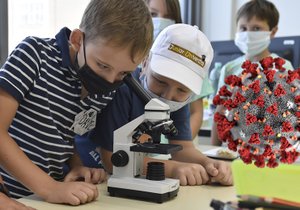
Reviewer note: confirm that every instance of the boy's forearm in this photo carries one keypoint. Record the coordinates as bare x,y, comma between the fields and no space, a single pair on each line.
214,134
196,118
196,122
75,161
190,155
22,168
106,159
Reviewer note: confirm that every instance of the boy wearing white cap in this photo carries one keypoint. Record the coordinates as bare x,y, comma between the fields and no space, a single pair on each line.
179,60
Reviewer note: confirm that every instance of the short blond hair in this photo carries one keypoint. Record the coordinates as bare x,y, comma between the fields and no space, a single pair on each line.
121,22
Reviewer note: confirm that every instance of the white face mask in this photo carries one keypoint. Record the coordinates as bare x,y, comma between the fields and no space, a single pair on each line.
160,24
174,105
252,42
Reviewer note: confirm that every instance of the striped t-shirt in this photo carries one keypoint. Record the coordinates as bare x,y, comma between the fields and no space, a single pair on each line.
39,75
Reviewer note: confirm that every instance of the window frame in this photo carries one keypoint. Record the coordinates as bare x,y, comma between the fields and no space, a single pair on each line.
3,31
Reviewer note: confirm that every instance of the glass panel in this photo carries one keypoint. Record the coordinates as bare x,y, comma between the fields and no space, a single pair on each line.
41,18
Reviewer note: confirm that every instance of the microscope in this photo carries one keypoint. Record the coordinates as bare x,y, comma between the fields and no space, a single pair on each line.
129,152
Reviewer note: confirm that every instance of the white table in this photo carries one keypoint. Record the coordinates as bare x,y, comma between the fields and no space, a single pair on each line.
188,198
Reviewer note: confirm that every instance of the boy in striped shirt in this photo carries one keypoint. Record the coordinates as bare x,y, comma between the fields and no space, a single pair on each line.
52,89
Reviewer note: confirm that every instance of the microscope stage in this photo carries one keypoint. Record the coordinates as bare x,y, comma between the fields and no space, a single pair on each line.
156,148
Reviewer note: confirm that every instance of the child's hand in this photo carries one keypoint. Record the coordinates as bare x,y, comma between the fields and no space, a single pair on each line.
73,193
11,204
219,171
190,174
90,175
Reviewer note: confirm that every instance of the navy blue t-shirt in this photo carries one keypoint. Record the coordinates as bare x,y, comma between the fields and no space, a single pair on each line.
125,107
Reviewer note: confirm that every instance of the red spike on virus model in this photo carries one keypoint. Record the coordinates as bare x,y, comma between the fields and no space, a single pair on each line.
261,115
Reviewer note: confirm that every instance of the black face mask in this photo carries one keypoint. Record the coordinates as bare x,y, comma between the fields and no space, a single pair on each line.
92,82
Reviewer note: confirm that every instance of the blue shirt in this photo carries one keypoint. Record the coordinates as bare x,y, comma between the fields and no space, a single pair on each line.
39,75
125,107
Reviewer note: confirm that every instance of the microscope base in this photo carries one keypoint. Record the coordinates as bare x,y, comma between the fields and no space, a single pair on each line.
144,189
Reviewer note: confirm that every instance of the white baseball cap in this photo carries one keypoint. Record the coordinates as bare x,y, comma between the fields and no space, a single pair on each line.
183,53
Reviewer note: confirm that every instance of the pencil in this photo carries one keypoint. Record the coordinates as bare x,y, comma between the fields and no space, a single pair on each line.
272,200
253,205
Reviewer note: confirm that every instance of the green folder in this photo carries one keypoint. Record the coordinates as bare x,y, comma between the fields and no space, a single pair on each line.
280,182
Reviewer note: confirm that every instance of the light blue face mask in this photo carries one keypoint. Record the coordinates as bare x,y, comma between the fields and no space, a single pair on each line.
252,43
174,105
160,24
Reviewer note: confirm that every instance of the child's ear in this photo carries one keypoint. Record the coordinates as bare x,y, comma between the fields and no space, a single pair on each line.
145,62
144,65
274,31
75,39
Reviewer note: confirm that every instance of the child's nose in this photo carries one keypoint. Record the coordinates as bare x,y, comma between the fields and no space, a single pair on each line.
111,78
167,94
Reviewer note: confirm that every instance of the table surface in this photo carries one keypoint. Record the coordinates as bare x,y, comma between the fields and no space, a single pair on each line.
189,197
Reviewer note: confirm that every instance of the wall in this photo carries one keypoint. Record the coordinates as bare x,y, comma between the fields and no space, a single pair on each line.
44,18
218,19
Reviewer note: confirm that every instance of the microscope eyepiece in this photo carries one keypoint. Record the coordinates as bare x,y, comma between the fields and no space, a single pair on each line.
137,88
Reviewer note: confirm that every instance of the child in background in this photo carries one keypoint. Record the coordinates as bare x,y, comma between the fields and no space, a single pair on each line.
165,13
52,89
257,24
173,78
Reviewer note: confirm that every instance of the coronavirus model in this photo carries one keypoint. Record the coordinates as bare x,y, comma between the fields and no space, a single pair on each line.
261,113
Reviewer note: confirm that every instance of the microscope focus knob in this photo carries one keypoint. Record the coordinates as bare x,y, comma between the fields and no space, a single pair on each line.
120,158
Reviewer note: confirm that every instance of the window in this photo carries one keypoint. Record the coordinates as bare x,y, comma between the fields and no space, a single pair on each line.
39,18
